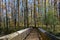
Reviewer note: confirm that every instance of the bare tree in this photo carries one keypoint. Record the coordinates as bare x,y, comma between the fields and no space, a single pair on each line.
0,13
55,11
45,13
18,2
6,16
31,13
38,10
35,13
26,14
59,10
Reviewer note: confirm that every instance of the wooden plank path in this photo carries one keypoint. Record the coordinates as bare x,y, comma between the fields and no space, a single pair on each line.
33,35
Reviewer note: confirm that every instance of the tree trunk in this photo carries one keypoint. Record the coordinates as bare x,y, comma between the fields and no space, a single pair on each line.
31,14
54,28
14,14
0,13
59,12
38,11
26,14
6,17
45,12
46,26
55,10
34,13
45,8
18,2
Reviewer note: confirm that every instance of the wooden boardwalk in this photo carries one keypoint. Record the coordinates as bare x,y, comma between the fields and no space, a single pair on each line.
33,35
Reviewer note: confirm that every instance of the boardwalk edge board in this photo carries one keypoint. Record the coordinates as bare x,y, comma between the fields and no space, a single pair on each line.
13,36
53,37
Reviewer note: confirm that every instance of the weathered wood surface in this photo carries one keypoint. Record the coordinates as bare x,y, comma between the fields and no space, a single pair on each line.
33,35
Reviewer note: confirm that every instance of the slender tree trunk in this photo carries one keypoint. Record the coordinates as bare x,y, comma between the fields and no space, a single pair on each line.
6,16
51,27
23,11
0,13
45,12
18,1
11,20
14,14
54,28
31,15
26,14
38,10
47,26
59,11
45,8
55,10
35,13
